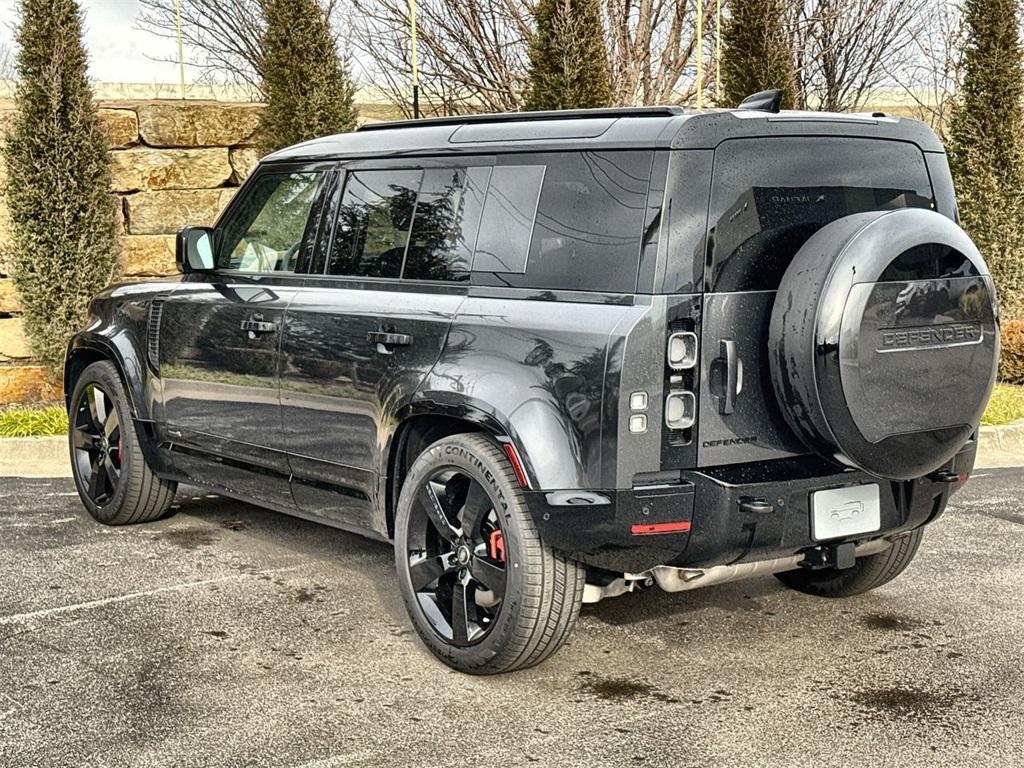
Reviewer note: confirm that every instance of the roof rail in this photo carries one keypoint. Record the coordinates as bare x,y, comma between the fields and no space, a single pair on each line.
515,117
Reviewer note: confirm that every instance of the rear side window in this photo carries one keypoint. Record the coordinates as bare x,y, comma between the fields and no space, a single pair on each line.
374,221
571,221
769,196
445,224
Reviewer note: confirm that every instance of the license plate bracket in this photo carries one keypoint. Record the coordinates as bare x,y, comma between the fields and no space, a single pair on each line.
840,512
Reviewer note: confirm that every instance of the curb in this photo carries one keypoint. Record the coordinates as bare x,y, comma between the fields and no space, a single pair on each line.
34,457
1001,446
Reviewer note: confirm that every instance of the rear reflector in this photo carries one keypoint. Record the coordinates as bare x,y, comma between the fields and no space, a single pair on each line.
517,465
653,528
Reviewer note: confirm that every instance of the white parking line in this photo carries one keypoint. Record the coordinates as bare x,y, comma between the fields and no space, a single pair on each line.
18,618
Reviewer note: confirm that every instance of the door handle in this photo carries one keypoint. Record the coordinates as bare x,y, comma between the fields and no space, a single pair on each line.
732,382
258,326
389,339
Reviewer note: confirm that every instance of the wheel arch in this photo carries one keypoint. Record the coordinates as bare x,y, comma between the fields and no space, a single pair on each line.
86,350
418,429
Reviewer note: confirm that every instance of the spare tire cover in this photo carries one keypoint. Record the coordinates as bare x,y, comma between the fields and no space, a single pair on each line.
884,341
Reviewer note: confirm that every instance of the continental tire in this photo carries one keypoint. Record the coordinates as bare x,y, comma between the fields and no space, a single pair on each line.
484,593
114,481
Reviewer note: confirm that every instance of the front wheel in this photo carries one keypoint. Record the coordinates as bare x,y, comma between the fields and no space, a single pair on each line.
114,481
484,593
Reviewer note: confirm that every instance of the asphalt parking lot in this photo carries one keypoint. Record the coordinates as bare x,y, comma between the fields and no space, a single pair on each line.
231,636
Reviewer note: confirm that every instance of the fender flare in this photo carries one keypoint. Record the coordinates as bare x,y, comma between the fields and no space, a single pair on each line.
550,458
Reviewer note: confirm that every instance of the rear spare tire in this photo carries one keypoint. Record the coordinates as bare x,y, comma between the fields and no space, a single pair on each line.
884,343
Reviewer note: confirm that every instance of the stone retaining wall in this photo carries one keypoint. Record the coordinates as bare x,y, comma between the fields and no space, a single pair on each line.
173,163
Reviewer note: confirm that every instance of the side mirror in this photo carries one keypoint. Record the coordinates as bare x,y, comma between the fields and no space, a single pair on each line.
194,251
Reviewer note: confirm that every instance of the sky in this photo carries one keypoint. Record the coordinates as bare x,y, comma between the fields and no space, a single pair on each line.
118,51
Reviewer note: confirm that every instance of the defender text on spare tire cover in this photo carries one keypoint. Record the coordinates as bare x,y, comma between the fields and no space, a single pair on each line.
883,341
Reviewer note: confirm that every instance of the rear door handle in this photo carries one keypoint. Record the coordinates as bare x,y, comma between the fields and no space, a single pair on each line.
389,339
733,380
258,326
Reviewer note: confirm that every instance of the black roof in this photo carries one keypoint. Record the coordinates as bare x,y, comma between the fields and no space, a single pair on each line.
626,128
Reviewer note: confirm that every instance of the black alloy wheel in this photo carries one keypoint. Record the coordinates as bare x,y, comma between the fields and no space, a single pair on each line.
485,594
96,436
456,555
113,477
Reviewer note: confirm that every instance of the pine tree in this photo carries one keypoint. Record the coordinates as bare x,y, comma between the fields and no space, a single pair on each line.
568,57
986,144
58,191
308,89
756,52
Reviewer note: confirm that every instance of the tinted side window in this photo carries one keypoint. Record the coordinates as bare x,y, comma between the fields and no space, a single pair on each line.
374,220
770,195
587,224
446,222
266,228
509,216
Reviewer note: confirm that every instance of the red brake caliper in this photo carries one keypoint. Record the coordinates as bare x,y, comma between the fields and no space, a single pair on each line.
496,546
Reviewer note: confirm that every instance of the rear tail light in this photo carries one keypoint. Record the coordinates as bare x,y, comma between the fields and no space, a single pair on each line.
680,410
682,350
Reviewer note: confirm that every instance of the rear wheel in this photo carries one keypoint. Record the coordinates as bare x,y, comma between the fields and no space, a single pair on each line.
114,482
867,573
484,593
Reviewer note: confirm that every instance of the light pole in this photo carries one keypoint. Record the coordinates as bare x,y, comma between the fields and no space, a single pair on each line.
415,63
718,51
181,48
700,54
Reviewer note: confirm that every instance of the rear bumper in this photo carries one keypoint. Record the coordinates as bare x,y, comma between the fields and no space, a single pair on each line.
701,520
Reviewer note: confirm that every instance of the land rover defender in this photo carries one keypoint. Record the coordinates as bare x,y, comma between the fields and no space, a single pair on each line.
556,357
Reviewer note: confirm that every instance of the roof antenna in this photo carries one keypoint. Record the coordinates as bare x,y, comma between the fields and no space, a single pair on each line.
765,101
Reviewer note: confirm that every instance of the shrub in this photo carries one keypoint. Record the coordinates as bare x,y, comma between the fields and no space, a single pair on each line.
308,89
568,57
756,52
1006,405
1011,358
986,144
64,247
33,422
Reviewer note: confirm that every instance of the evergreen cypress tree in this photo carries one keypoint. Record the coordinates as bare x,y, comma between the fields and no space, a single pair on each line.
568,57
756,52
986,144
58,190
309,91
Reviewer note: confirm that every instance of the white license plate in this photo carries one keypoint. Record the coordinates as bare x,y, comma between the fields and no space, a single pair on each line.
844,512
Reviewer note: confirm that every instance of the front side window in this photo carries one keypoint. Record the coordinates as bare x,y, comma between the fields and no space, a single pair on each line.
372,231
267,227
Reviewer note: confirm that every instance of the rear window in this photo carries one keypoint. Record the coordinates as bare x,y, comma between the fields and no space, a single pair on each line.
570,221
769,196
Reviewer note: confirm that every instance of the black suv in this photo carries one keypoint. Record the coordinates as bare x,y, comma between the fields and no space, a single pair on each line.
555,357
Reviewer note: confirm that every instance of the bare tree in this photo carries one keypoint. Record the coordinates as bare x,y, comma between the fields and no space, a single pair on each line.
847,49
8,63
474,53
652,46
226,34
933,77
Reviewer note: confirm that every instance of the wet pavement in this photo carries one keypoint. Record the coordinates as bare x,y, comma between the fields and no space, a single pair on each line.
232,636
